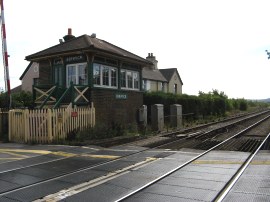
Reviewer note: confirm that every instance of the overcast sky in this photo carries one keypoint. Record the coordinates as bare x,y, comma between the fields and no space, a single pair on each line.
214,44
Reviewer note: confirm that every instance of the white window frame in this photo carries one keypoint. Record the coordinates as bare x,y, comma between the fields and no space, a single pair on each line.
110,76
76,73
146,85
133,79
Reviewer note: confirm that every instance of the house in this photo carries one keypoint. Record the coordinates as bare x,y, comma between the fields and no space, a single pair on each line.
30,76
165,80
84,70
153,80
175,83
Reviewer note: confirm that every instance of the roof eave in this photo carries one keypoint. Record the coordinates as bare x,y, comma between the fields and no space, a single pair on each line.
27,68
142,61
59,54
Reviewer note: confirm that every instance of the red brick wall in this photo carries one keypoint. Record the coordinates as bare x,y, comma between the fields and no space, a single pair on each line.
109,109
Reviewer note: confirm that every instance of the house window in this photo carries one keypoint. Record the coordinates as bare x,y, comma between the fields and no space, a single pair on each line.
136,80
146,85
58,75
130,79
123,79
162,86
175,88
97,74
77,73
114,77
105,76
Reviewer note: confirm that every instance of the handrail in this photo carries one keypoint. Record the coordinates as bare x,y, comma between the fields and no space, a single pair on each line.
62,97
72,89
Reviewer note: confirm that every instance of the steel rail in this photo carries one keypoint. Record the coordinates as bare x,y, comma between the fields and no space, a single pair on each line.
246,116
234,179
188,162
215,129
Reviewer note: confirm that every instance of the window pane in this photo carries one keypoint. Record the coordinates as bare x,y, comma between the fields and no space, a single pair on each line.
60,72
136,80
129,79
105,76
96,74
56,75
71,75
82,71
113,77
123,79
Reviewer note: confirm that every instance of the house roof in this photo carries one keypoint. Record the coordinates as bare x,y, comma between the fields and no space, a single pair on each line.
153,75
168,73
25,71
86,43
17,89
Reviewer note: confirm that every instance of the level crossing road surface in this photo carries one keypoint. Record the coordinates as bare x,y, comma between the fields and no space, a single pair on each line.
66,173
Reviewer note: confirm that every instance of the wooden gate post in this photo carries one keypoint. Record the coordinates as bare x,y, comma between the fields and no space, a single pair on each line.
49,121
26,125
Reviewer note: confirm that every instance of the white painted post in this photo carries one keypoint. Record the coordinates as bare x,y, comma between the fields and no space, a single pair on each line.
49,120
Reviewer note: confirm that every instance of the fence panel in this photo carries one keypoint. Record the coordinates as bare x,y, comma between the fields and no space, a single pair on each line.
17,125
47,125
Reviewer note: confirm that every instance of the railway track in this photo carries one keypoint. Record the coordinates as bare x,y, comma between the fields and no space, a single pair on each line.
227,187
71,171
207,137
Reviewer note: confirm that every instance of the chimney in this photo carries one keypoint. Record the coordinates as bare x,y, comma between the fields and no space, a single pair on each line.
69,36
152,59
93,35
69,31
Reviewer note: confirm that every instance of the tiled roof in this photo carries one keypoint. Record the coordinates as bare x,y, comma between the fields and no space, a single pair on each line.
16,89
86,42
153,75
168,73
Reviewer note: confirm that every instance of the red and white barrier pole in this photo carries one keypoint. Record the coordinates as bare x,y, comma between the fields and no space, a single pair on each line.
5,53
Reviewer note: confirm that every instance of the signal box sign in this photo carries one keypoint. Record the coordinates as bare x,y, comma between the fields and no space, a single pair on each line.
121,96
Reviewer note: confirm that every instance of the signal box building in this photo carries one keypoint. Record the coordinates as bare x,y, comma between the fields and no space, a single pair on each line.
83,70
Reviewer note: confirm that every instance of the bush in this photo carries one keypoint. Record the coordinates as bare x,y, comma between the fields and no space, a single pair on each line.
101,131
22,99
214,103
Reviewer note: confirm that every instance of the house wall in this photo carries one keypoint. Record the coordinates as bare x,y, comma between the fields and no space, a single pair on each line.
156,86
31,74
153,86
175,80
116,106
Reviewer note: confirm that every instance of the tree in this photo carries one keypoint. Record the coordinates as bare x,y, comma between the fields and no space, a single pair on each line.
22,99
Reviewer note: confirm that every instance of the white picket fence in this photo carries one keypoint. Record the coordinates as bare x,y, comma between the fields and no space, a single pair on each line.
48,125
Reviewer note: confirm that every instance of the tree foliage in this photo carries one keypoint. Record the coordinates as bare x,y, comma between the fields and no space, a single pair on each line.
21,99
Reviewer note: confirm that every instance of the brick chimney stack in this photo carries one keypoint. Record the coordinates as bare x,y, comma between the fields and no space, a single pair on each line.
69,36
69,31
152,59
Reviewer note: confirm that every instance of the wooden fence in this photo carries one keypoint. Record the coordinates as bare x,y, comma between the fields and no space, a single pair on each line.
47,125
